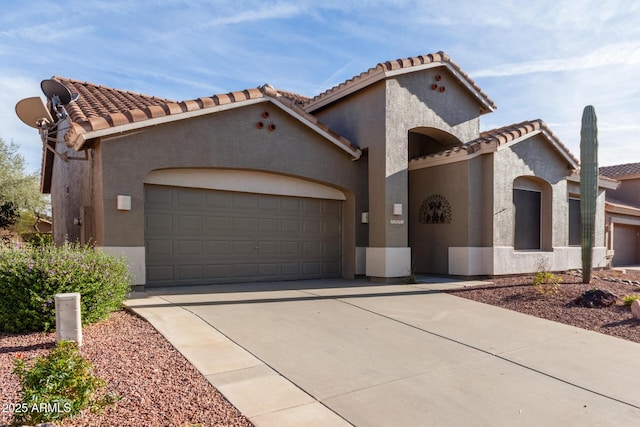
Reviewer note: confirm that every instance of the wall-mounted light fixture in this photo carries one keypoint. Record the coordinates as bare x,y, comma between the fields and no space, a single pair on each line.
124,203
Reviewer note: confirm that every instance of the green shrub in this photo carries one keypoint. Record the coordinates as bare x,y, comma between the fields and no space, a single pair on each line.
57,386
546,283
30,277
629,299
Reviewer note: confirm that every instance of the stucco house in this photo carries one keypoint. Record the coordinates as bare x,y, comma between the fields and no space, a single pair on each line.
622,209
383,175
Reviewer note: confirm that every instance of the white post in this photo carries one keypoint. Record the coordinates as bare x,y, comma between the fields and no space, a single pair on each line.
68,322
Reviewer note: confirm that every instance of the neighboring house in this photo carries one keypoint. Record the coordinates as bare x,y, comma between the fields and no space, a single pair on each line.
623,213
382,175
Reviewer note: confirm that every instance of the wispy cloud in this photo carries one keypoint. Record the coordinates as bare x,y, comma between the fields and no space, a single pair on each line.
615,54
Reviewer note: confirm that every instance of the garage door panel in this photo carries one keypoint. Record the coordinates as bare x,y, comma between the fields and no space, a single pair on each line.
331,207
311,248
268,247
312,206
188,223
312,226
160,248
269,269
268,225
160,273
219,200
331,268
625,244
245,270
160,196
190,272
217,223
218,247
291,226
189,248
268,203
290,248
331,249
290,204
190,198
331,227
242,247
197,236
244,201
162,222
219,271
312,268
245,225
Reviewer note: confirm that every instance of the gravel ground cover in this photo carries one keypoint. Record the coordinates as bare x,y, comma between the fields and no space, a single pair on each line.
158,386
517,293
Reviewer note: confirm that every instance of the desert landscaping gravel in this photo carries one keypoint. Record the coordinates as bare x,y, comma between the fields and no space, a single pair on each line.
158,386
517,293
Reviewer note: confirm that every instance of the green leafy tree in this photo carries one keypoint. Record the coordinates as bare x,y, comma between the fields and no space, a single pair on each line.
19,191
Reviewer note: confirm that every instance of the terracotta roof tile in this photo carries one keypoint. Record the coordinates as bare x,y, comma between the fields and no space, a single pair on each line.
100,108
405,63
617,171
504,135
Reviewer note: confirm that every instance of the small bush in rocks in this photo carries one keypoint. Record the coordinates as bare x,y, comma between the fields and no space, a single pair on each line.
629,299
546,283
30,277
57,386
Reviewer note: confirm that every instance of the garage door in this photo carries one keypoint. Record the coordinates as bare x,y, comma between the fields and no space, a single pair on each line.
195,236
625,244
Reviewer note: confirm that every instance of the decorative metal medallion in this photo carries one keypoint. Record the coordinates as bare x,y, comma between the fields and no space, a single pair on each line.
435,210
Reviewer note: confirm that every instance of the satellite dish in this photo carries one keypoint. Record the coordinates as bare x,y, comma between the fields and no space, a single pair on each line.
53,88
33,112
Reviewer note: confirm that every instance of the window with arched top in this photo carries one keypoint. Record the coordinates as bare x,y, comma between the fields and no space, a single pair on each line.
532,214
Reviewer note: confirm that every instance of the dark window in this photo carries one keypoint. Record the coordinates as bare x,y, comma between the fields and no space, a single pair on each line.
527,229
575,223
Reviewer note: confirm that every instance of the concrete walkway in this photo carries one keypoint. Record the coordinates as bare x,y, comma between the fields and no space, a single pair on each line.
339,353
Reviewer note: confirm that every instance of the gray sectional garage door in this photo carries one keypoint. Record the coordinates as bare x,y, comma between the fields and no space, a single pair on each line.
195,236
625,244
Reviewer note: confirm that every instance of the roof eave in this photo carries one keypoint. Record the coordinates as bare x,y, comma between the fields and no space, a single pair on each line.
379,74
78,140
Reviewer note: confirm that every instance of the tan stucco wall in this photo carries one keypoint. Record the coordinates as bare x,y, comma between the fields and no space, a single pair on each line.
628,192
70,191
532,157
227,139
379,119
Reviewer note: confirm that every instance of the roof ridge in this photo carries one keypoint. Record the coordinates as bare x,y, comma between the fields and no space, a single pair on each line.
504,135
402,63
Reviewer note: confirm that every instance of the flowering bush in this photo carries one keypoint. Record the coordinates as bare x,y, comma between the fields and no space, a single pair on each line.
30,277
57,386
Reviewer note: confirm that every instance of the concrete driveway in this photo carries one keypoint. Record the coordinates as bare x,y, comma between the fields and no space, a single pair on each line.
339,352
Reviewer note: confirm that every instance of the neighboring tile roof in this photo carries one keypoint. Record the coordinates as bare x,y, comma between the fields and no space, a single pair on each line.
504,135
617,171
407,65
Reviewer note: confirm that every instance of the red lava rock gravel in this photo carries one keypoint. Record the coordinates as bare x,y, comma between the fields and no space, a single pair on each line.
517,293
158,386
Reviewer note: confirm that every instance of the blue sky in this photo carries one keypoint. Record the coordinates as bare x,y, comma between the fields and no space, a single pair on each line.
536,59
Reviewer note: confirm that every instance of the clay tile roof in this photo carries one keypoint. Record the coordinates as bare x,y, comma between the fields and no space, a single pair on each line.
403,64
504,135
99,108
617,171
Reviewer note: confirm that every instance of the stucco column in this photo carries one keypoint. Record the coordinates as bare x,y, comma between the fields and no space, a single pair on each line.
388,256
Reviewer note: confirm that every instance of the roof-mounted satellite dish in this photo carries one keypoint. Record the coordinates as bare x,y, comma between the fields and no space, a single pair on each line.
34,113
54,88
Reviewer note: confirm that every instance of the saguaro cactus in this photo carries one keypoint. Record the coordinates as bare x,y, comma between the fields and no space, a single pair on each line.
588,186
